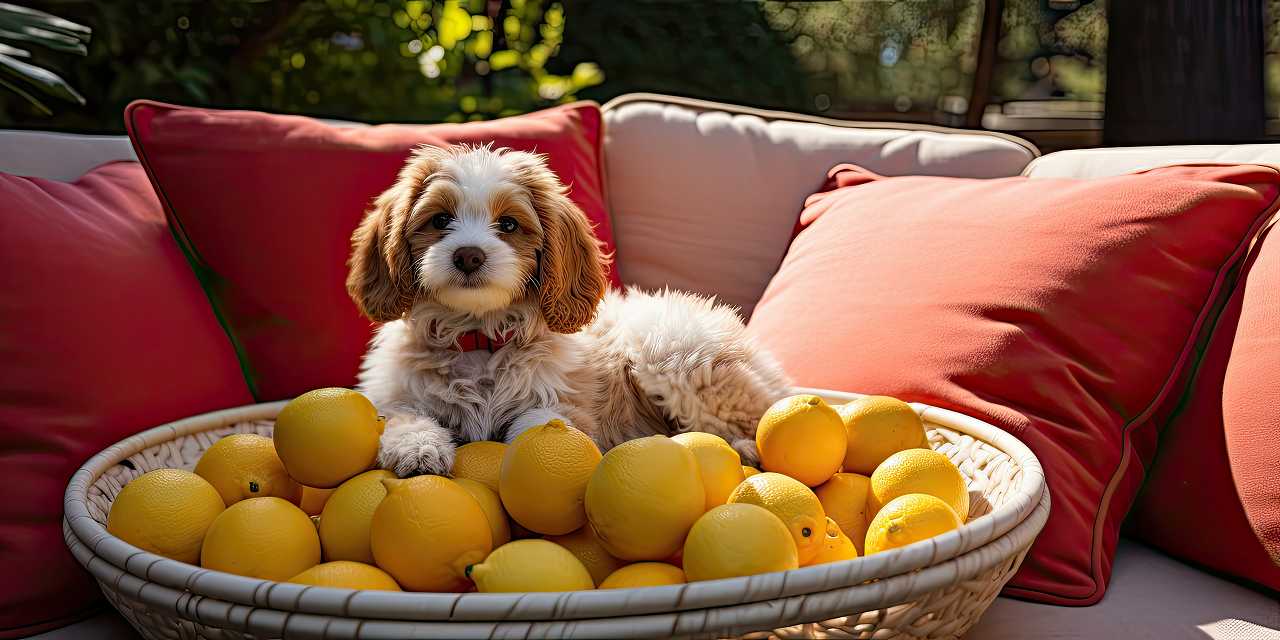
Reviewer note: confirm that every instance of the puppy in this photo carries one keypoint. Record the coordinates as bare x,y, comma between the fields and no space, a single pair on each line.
496,318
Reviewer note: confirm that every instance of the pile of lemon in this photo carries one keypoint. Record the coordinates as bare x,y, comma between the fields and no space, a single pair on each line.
547,512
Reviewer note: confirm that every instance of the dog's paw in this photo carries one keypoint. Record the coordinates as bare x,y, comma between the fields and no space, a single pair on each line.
413,453
747,451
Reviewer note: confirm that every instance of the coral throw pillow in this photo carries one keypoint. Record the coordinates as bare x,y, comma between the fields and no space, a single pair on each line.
1064,311
1190,506
265,206
104,332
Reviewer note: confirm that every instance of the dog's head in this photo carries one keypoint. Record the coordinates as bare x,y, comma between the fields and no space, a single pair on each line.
476,229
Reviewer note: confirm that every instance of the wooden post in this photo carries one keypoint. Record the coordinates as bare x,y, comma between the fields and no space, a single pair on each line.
1184,71
993,10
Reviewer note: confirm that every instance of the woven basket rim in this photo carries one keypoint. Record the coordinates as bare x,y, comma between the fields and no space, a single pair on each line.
533,606
728,619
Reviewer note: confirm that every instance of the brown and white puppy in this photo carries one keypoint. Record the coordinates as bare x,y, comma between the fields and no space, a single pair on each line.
476,246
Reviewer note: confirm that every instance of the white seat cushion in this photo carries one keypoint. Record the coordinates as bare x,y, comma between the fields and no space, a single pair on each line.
1097,163
1151,596
704,196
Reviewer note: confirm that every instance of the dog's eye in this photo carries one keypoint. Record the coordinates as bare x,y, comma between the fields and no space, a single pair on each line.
507,224
441,221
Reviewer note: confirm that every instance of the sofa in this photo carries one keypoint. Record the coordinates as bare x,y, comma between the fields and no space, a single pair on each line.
727,181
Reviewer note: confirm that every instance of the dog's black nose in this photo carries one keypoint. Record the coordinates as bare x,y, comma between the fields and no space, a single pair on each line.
468,259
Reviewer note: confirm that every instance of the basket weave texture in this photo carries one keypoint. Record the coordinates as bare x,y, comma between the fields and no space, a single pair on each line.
932,589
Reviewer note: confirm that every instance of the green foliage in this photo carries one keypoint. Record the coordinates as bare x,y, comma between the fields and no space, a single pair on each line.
22,26
1052,53
376,60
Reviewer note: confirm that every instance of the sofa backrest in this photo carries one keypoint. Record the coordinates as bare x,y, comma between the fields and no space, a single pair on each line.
1098,163
59,156
704,196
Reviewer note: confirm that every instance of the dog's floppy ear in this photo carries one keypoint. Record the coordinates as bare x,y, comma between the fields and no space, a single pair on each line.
572,269
380,270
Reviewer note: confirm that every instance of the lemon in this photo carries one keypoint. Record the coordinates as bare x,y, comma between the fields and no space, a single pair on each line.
480,461
907,519
348,516
245,465
643,498
793,503
166,512
747,472
265,538
737,539
836,546
644,574
802,437
586,547
718,464
530,565
427,531
877,427
328,435
920,471
345,574
313,500
488,500
544,477
845,499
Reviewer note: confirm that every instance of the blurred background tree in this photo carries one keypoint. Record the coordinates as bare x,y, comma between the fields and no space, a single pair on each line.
374,60
454,60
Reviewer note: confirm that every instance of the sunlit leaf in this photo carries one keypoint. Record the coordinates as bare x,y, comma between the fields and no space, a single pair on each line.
46,81
455,24
587,74
14,51
503,59
18,18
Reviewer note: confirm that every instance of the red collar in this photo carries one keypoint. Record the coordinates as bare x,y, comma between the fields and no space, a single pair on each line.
476,340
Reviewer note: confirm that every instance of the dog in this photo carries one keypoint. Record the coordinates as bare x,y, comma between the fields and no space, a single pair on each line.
496,317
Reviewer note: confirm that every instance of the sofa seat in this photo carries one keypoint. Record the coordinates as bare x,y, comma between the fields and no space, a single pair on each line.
1151,596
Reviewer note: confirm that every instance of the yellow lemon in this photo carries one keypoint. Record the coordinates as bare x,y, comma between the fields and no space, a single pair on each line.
845,499
792,502
492,505
427,531
907,519
348,516
802,437
345,574
544,477
313,500
530,565
327,436
245,465
265,538
585,546
835,546
737,539
747,472
877,427
643,498
718,464
479,461
166,512
644,574
920,471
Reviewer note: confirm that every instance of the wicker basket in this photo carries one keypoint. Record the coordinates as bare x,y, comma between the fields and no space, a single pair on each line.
932,589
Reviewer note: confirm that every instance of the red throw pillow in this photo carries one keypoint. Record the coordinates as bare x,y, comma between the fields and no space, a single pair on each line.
266,204
1189,505
104,332
1065,311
